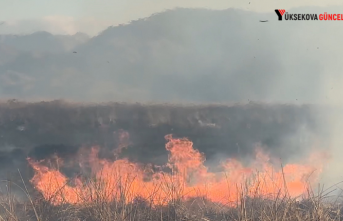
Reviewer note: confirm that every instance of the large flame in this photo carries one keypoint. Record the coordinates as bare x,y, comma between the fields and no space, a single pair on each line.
184,176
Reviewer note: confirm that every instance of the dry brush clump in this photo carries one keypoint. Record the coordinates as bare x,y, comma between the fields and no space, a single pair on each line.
315,206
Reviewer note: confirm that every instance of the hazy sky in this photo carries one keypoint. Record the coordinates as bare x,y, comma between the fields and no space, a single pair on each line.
68,17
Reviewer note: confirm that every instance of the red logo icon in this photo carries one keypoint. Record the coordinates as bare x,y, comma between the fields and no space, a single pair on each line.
282,11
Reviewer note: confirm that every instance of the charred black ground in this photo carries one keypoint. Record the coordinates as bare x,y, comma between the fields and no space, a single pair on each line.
39,130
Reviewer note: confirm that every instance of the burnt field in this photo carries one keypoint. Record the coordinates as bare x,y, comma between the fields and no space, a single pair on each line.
162,177
39,130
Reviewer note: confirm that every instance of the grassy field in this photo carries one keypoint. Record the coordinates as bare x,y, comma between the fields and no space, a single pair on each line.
314,205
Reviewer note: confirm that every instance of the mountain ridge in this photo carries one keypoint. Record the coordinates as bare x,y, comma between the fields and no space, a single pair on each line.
188,55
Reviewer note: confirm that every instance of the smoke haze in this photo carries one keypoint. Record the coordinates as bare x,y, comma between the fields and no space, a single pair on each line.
181,55
290,70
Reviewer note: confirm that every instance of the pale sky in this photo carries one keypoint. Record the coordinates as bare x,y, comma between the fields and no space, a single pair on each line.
68,17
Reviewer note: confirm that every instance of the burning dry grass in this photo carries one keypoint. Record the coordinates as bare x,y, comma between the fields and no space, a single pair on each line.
139,193
121,190
316,206
184,175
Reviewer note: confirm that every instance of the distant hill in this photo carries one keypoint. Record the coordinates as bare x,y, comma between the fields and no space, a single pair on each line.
43,42
189,55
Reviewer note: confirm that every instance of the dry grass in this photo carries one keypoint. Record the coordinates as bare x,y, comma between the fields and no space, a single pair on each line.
317,206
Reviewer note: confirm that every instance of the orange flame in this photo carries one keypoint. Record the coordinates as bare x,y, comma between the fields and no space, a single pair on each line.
187,177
